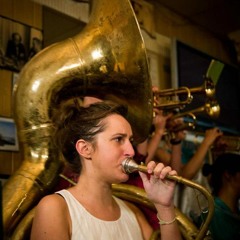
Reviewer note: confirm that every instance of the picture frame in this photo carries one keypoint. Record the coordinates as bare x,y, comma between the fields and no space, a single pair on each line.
8,135
15,77
18,44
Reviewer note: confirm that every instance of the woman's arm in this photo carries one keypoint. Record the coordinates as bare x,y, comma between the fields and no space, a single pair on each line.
191,168
51,220
168,224
159,122
163,155
160,191
176,158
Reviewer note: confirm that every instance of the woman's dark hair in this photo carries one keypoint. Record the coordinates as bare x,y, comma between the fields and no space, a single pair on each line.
227,162
75,122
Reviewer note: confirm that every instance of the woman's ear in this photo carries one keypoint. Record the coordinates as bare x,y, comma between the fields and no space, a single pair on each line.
84,148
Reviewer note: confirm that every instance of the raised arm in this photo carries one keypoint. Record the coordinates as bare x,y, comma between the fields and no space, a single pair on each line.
191,168
159,122
161,191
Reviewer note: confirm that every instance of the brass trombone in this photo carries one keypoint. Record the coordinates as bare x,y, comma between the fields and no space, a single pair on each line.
208,88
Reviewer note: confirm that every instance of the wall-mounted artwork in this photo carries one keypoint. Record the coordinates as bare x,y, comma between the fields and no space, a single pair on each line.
8,135
18,44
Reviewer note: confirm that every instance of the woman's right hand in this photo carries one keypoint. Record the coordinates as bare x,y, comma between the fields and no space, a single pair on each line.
211,135
159,188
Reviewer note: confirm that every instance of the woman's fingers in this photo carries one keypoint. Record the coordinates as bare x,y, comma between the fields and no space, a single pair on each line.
159,170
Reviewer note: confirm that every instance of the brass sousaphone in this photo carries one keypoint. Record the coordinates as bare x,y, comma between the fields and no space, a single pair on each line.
106,60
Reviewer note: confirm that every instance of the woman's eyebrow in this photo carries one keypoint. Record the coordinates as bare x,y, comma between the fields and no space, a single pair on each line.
123,135
120,134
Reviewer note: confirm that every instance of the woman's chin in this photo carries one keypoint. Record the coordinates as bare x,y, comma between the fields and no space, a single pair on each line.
123,179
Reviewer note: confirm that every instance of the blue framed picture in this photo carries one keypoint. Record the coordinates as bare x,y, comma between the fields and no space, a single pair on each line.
8,135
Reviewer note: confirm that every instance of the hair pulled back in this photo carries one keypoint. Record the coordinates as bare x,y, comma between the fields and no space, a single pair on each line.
74,122
227,162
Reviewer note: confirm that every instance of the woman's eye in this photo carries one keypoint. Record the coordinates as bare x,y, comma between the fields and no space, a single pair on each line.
118,139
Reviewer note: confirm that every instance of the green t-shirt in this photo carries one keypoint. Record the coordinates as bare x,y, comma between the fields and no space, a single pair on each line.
224,225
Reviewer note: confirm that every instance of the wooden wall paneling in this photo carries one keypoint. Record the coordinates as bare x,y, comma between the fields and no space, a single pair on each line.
17,158
158,53
6,8
58,27
164,72
25,12
37,16
28,13
6,157
10,162
6,163
6,93
172,25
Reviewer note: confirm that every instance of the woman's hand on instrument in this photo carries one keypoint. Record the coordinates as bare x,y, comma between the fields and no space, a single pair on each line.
211,135
159,189
159,121
176,127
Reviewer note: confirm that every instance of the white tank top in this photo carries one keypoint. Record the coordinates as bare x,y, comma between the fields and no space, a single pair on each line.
87,227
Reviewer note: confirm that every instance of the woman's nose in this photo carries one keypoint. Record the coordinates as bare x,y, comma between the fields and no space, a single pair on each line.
129,149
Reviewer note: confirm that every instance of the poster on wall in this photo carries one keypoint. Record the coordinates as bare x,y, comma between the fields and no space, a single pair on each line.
8,135
18,44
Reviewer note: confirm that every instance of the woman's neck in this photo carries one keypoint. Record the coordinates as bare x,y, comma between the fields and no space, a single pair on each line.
91,187
230,199
97,199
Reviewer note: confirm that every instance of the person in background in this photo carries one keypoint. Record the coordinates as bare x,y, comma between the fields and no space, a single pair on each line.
187,159
148,148
171,142
188,168
36,47
96,140
16,50
224,179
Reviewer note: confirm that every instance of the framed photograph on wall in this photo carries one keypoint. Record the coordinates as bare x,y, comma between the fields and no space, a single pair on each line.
15,77
18,44
8,135
36,43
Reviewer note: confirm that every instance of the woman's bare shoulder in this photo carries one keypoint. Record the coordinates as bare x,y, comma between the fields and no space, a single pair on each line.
53,202
51,218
